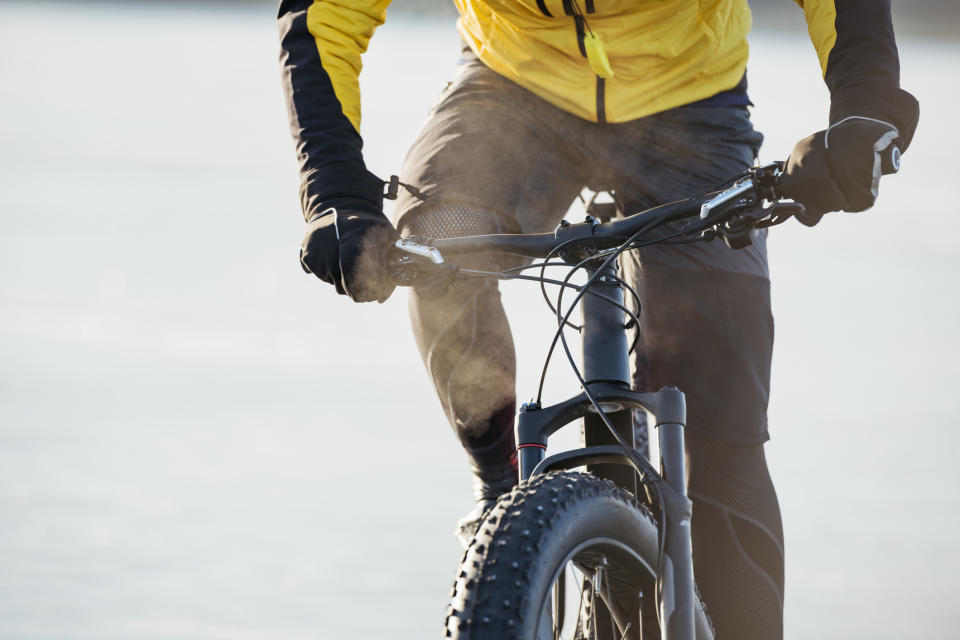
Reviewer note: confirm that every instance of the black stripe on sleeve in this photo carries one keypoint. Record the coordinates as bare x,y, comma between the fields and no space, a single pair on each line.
865,51
863,68
329,149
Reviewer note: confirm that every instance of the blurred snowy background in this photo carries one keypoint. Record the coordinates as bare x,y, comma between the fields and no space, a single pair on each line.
199,441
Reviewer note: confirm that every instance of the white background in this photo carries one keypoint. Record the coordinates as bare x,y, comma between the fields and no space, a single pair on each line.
199,441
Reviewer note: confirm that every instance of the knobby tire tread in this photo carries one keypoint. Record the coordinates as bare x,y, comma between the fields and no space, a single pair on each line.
498,571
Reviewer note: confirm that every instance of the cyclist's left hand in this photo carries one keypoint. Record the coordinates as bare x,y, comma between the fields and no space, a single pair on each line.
838,168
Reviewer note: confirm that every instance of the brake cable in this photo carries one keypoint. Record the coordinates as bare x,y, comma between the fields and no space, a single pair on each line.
627,244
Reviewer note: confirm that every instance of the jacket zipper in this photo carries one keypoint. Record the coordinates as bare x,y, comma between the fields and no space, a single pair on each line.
601,95
571,9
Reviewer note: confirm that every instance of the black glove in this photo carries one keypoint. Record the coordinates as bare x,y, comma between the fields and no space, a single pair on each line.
839,168
348,249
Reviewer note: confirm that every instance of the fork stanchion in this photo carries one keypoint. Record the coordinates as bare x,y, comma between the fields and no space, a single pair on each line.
528,457
677,603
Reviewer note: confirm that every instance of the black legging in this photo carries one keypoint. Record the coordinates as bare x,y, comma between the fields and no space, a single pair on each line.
737,539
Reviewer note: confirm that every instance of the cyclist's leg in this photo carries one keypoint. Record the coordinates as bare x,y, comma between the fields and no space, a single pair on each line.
737,537
486,161
708,329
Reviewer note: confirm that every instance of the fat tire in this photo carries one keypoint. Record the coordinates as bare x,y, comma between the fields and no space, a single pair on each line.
509,566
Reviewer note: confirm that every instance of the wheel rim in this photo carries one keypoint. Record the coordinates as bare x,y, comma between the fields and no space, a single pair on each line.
598,569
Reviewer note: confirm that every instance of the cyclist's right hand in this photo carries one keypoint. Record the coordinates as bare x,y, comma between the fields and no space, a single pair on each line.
348,248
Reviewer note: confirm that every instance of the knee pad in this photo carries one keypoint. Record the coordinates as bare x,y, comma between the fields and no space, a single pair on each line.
450,221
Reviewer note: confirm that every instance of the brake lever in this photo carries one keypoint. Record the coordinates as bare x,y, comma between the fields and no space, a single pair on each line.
417,249
767,179
414,263
741,230
780,212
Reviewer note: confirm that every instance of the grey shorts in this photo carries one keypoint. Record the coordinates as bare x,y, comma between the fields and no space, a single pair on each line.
493,157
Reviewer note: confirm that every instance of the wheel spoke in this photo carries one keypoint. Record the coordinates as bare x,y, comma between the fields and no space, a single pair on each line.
596,595
596,576
608,599
580,620
640,614
559,600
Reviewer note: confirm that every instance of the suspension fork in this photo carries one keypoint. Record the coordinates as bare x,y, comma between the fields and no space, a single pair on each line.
605,363
677,608
605,358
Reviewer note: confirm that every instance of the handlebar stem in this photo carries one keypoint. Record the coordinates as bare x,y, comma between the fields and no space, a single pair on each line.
605,358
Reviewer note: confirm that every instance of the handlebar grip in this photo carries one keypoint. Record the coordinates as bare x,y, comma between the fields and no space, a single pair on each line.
805,216
890,160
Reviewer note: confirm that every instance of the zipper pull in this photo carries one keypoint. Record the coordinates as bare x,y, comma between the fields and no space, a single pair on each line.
596,54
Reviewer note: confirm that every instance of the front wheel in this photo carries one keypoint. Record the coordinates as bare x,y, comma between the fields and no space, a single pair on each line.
564,555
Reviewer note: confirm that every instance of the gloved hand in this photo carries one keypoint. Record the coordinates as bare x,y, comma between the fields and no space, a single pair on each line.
348,249
839,168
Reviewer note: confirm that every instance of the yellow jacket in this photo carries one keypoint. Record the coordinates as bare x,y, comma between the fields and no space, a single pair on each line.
662,53
602,60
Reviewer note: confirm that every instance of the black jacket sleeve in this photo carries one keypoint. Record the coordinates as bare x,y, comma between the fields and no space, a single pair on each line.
321,44
858,55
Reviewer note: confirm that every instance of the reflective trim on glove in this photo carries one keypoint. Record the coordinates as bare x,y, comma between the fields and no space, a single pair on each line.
838,168
879,147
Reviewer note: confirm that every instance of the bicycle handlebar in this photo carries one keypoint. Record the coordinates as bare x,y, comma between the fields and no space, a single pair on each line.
602,235
734,214
586,237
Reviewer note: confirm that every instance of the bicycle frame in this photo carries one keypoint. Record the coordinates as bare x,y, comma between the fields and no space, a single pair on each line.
606,370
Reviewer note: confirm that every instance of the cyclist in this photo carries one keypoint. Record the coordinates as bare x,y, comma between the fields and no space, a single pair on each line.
647,99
